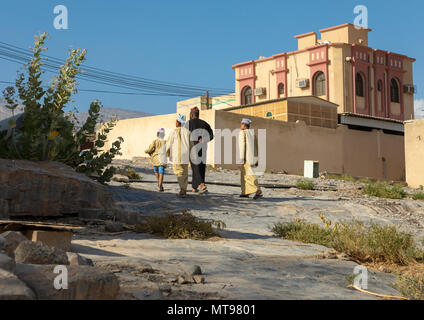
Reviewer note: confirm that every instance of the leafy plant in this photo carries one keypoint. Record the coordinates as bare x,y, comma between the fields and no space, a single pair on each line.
45,131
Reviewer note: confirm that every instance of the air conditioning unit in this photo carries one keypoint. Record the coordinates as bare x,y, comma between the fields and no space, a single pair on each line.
260,91
409,89
302,83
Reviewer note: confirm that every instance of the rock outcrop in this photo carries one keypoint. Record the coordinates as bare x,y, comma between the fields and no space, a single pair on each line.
77,260
48,189
38,253
3,243
12,288
33,275
6,263
84,282
13,239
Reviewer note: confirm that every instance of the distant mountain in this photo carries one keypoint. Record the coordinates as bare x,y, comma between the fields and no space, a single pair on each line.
107,113
6,113
419,108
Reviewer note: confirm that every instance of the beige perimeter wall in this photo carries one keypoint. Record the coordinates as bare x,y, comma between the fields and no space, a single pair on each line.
138,133
414,152
342,151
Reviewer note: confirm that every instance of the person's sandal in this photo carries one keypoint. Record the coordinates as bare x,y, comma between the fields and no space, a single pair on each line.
258,196
201,191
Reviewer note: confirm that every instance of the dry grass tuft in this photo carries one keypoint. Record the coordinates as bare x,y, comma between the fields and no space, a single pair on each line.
181,226
383,248
373,243
304,184
418,196
129,172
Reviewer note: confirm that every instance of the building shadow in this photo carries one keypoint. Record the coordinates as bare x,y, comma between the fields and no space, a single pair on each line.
78,248
153,203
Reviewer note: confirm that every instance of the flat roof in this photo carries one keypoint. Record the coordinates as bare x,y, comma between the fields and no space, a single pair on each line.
363,120
343,26
307,99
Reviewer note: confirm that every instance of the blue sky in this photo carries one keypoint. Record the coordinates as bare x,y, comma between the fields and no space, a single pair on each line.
196,42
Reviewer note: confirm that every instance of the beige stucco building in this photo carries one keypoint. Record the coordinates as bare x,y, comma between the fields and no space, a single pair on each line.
334,100
414,152
340,67
311,110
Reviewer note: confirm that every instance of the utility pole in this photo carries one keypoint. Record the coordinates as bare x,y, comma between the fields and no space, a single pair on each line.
207,100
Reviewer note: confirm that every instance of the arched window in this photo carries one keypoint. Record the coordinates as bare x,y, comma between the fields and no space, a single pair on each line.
319,84
394,91
269,114
246,95
281,90
360,85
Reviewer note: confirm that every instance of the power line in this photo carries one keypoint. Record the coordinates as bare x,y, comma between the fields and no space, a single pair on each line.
52,68
107,91
19,55
28,52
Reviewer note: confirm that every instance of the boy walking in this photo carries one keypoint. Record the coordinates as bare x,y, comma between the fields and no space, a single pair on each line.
157,153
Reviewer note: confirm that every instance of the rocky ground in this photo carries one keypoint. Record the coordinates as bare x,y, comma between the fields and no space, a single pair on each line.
248,262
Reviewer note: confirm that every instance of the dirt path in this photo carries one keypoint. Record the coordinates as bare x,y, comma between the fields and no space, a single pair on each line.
248,262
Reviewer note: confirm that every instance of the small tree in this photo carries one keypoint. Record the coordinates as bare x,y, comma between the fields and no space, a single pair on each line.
47,132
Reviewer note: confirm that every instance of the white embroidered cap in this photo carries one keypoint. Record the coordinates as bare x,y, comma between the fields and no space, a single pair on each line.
246,121
181,118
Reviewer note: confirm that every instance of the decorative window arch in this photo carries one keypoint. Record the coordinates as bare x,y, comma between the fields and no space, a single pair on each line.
246,96
269,114
394,91
319,85
281,90
360,85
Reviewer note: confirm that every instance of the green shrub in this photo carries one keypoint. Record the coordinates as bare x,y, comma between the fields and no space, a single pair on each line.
384,190
302,231
47,132
418,196
343,177
180,226
304,184
371,243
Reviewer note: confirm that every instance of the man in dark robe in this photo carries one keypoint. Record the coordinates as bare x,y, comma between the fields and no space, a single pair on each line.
201,133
